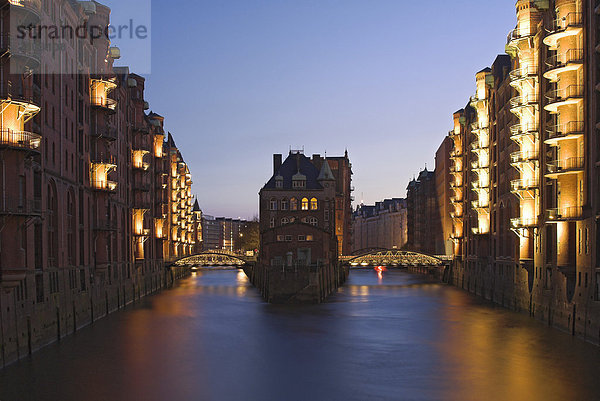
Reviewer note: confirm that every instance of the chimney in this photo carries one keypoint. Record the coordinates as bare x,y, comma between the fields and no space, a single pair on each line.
276,163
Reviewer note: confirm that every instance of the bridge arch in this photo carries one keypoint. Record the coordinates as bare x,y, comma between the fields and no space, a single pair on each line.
214,258
393,258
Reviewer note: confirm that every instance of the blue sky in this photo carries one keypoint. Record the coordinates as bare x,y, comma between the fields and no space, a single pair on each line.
239,80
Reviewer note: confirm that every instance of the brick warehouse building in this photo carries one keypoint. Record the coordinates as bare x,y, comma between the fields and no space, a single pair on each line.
525,159
93,200
298,230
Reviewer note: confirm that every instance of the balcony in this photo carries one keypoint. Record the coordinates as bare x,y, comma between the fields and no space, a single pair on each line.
476,101
24,49
19,140
567,131
518,103
105,225
104,103
518,35
104,185
520,132
571,95
144,232
571,60
33,7
524,188
479,204
571,213
523,74
20,207
519,158
478,166
456,153
571,165
478,185
523,222
480,131
455,200
108,132
569,25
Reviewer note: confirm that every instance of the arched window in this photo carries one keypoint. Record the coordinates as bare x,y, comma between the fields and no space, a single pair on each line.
52,225
71,227
313,221
304,203
285,220
314,204
284,204
273,204
293,204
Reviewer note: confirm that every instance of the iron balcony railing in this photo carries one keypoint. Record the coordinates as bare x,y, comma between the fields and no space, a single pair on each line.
108,132
104,185
560,95
518,34
523,101
103,158
518,131
20,139
572,56
34,6
18,206
523,185
568,21
105,225
523,222
565,213
565,165
20,47
523,73
104,103
523,157
477,204
566,129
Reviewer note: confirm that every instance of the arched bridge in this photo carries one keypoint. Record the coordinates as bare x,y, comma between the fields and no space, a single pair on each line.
393,258
215,258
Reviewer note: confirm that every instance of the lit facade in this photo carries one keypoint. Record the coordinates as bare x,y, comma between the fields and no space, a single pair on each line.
383,225
83,200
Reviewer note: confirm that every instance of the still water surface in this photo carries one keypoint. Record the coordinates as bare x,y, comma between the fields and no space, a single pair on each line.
396,337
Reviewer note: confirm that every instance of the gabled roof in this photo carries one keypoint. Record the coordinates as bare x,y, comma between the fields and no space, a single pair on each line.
294,164
196,206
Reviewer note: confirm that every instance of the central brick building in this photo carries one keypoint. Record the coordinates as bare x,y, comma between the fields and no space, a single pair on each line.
298,259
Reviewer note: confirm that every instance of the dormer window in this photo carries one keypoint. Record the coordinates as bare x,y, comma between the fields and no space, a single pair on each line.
299,184
279,182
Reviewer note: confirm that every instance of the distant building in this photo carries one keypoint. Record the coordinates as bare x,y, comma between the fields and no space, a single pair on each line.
383,225
222,233
443,191
423,217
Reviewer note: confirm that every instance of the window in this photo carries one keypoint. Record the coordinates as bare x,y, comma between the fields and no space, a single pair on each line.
285,220
304,203
288,238
273,204
587,241
314,204
597,286
302,238
284,204
293,204
272,222
39,288
327,215
309,237
298,184
278,184
82,279
313,221
280,238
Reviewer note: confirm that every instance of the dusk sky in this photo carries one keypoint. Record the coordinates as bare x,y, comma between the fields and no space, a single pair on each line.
239,80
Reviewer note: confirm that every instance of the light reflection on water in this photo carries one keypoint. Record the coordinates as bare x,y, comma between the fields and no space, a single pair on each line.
388,336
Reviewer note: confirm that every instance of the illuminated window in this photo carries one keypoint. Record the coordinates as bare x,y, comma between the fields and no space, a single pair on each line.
273,204
309,237
314,204
304,203
293,204
280,238
284,204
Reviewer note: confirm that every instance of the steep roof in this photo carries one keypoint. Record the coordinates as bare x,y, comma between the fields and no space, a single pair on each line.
294,164
196,206
325,173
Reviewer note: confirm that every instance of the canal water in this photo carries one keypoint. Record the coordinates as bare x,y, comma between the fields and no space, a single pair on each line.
393,336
